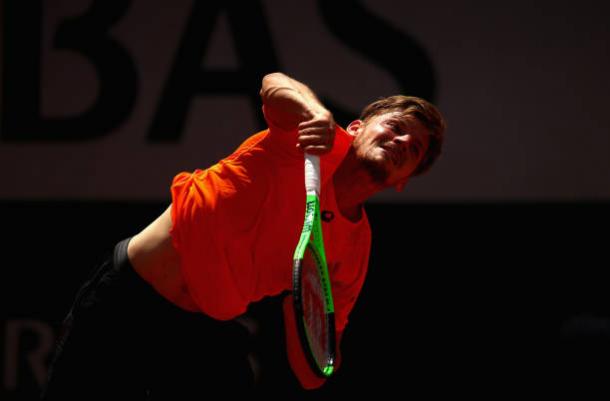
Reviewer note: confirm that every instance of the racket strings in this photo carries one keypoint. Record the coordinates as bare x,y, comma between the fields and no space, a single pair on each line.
314,308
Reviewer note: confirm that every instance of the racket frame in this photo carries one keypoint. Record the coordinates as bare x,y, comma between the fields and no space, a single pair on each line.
311,240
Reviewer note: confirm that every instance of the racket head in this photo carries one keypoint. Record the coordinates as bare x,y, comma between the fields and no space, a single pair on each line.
312,296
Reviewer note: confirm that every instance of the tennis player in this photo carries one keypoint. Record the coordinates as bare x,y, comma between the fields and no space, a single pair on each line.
157,319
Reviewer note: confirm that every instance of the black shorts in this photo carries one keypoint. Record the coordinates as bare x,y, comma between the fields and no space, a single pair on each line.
122,339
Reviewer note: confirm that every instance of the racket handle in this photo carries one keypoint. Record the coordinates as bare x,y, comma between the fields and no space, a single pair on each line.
312,174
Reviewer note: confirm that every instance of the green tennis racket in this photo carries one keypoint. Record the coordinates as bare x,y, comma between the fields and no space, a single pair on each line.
313,300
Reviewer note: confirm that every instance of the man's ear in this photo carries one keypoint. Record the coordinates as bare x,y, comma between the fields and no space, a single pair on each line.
354,127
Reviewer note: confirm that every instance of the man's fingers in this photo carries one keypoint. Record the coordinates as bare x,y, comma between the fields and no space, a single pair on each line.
314,139
322,131
316,149
315,124
316,131
315,144
318,120
316,136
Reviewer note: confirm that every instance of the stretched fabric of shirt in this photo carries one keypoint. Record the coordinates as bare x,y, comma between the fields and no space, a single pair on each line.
237,223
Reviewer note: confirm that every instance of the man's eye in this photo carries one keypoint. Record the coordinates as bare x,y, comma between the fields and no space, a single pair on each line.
396,127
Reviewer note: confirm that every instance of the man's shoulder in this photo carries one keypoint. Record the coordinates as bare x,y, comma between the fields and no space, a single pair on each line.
252,141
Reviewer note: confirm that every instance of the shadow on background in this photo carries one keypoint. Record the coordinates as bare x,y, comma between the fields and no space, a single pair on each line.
470,299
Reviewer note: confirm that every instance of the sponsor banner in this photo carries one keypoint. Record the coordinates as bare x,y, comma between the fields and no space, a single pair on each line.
109,100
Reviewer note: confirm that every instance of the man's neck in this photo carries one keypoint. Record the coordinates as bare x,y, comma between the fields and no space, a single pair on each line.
353,186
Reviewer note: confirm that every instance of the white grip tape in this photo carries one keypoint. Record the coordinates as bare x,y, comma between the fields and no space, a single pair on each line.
312,174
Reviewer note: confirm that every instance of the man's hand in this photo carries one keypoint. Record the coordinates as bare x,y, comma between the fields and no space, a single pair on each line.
317,134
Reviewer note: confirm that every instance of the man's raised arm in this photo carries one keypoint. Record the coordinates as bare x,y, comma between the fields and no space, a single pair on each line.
290,105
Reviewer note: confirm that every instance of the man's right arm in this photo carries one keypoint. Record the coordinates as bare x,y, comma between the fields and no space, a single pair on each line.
291,105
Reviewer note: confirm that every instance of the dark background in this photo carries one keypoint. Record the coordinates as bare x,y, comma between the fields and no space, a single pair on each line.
461,299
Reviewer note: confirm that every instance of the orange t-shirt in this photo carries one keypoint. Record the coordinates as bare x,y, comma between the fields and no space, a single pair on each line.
237,223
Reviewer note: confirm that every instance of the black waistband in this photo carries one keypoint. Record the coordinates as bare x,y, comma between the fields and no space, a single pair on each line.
120,253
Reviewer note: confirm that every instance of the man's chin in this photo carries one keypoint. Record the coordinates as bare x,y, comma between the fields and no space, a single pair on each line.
378,171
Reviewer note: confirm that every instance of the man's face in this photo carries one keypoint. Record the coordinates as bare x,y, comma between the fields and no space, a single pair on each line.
390,146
